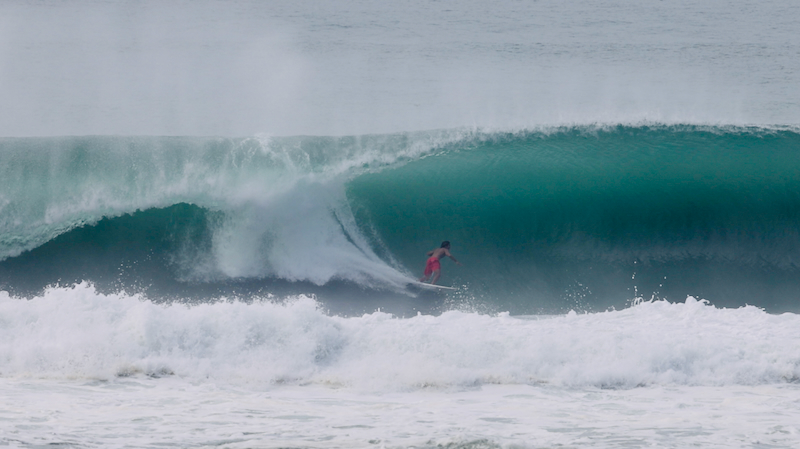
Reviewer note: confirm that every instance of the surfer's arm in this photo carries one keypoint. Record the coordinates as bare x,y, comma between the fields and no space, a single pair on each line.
447,253
430,253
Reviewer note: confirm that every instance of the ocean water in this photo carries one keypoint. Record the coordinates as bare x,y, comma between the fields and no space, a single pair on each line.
210,214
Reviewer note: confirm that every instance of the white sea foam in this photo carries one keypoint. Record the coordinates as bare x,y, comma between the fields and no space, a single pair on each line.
175,413
83,369
80,333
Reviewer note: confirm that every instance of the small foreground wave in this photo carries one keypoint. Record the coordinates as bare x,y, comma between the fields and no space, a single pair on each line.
77,332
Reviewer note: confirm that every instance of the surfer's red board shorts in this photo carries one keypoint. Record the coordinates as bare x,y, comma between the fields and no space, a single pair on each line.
432,265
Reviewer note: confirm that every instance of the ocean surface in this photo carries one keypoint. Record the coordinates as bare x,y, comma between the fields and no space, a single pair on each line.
211,214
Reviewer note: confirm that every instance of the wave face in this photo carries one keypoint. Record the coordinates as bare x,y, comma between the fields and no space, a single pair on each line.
543,220
590,215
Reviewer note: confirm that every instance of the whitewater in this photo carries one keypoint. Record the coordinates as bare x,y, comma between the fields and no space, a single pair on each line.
210,214
84,369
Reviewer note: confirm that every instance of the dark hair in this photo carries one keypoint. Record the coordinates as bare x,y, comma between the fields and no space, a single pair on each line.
445,244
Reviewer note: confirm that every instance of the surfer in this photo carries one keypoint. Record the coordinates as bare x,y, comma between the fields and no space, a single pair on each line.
432,266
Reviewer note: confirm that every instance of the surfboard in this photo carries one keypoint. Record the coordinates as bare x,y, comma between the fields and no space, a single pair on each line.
430,286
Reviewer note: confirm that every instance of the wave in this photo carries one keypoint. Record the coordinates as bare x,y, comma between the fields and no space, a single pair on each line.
77,332
545,220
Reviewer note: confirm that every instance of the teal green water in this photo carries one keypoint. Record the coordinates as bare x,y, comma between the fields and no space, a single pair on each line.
578,213
543,220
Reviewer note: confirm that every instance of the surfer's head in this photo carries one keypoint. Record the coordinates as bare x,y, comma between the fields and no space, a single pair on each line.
446,244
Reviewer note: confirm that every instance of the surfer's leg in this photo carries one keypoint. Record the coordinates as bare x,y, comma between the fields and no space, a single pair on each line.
435,276
429,270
